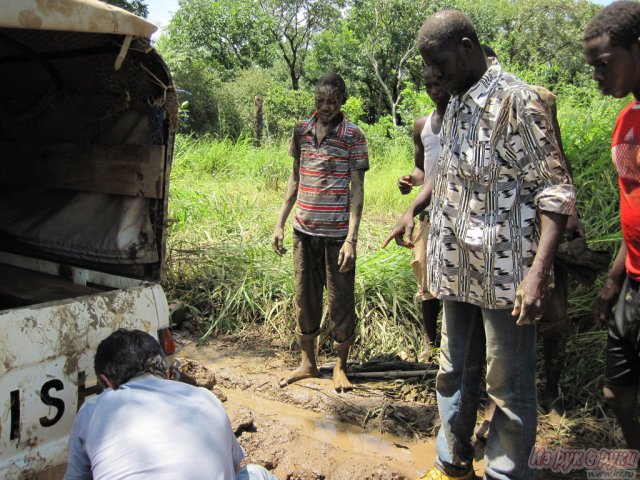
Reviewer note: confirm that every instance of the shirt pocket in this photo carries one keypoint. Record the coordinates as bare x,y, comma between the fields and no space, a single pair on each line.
475,161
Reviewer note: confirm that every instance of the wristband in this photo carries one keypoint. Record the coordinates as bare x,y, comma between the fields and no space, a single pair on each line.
352,242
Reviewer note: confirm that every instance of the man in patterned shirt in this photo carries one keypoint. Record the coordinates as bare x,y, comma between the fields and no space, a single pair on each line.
500,202
327,187
612,48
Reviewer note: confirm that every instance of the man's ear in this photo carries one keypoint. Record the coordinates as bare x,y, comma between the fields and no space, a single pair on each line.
107,381
467,45
634,49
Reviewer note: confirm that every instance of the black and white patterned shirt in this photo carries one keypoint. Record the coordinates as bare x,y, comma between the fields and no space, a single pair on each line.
500,164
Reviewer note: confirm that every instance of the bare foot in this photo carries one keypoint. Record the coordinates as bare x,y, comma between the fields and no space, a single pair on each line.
425,356
340,381
300,373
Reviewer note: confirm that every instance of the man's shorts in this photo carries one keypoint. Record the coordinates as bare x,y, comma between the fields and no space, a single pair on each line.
623,342
419,261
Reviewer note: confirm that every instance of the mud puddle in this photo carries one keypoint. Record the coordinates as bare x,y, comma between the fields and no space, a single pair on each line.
341,446
307,431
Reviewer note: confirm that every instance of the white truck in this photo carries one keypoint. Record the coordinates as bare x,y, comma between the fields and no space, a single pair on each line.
87,123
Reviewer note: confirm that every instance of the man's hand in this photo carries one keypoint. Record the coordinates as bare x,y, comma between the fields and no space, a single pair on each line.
347,257
405,184
402,232
277,241
605,301
529,296
574,228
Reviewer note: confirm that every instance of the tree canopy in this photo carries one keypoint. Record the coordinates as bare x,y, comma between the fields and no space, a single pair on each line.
139,7
370,43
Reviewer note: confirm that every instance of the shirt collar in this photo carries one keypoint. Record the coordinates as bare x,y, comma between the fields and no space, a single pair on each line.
479,92
338,130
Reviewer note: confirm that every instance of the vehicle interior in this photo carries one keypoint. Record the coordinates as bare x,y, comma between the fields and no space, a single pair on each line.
87,122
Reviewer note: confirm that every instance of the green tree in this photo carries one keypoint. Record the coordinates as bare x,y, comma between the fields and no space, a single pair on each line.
338,50
139,7
227,34
374,47
293,24
386,30
540,40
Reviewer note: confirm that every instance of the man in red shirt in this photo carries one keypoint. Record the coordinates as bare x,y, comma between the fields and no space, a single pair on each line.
612,48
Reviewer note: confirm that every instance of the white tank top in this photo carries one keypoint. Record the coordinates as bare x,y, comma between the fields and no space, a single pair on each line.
431,144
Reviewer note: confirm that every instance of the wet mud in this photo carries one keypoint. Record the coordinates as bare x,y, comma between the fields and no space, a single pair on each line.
307,431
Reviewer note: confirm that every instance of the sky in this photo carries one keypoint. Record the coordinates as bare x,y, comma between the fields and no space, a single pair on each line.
161,11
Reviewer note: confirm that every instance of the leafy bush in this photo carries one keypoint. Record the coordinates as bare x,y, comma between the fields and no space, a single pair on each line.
284,107
415,103
353,109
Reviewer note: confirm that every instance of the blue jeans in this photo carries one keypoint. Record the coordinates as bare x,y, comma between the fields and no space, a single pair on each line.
468,333
254,472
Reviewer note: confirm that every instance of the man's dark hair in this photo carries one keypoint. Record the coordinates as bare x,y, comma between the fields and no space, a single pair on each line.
488,51
333,80
447,27
125,354
620,21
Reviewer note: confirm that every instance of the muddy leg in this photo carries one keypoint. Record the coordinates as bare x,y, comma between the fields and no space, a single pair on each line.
308,367
340,381
554,328
554,343
624,401
483,430
430,310
309,265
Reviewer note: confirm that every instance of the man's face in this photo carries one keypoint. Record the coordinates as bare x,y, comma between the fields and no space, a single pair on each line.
616,69
436,92
328,103
448,66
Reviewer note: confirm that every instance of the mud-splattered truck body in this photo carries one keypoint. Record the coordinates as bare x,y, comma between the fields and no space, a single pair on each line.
87,121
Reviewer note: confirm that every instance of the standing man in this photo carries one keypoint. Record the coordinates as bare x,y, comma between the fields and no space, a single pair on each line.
612,48
145,426
500,202
327,186
555,326
426,148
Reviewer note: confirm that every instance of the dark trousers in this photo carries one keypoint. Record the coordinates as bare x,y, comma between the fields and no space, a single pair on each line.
316,266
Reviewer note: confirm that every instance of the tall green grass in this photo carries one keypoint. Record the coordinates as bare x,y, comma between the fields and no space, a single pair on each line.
225,198
224,202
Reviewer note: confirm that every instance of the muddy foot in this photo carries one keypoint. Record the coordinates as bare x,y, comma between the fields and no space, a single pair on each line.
300,374
554,408
483,431
340,381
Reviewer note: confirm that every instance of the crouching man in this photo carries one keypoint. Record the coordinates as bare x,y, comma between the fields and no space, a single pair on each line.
145,426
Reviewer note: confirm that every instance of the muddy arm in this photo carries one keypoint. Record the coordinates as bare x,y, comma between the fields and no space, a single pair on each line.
289,201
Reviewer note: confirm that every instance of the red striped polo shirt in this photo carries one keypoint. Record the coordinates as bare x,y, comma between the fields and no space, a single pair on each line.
322,205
